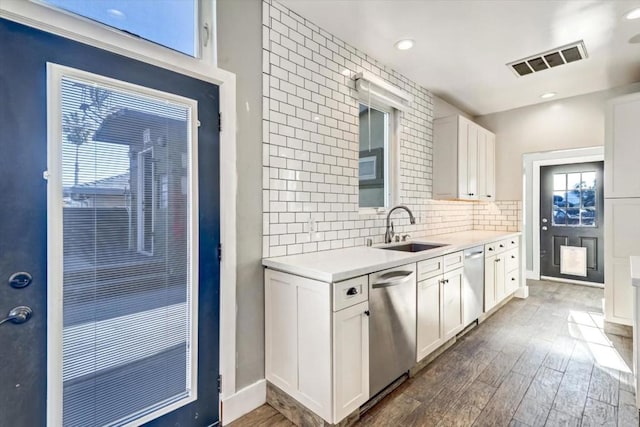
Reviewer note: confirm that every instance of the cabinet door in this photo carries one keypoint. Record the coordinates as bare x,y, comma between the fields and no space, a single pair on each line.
500,278
350,359
490,282
482,163
490,161
429,316
281,333
452,293
472,161
621,149
621,240
463,158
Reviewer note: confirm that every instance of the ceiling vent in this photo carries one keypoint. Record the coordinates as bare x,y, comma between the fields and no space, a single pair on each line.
549,59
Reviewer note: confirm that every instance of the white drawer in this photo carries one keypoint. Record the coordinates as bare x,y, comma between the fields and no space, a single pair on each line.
513,281
430,267
490,249
513,242
350,292
502,245
512,260
453,261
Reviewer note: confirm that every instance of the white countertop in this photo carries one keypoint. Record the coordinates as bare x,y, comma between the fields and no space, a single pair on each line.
635,270
341,264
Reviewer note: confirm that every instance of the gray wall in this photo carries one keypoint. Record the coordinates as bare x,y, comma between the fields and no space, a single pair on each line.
239,32
575,122
442,108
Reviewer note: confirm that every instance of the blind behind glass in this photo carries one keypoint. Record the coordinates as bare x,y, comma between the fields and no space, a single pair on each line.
126,288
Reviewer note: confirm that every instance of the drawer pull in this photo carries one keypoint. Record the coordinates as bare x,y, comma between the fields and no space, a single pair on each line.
367,312
513,279
502,246
513,257
352,291
490,249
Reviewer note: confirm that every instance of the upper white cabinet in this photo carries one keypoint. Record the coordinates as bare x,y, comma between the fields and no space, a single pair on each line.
622,147
463,160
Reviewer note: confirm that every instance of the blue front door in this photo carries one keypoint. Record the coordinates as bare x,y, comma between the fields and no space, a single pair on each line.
138,199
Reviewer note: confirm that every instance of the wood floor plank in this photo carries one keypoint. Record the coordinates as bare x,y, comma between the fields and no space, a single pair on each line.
573,390
561,419
560,353
468,406
503,404
264,415
627,411
605,384
499,369
393,408
536,404
532,358
598,413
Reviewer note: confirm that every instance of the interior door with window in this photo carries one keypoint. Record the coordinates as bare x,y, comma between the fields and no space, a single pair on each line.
571,222
110,192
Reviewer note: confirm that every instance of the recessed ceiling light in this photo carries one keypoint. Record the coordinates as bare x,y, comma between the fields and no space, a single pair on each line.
405,44
548,95
115,13
633,14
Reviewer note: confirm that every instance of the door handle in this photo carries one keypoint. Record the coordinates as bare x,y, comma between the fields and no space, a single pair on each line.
18,315
399,276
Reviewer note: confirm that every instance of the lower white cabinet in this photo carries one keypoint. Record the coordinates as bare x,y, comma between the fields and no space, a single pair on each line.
501,271
430,331
440,305
318,356
452,289
350,359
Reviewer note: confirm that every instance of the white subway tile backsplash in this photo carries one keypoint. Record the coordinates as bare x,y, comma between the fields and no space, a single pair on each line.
310,160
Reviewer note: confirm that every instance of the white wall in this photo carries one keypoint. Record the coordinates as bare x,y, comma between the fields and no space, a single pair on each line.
442,108
239,34
574,122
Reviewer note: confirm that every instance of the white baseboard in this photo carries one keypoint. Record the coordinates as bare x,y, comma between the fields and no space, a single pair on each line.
244,401
522,292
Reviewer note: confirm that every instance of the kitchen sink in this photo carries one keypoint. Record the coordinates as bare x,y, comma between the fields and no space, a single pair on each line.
413,247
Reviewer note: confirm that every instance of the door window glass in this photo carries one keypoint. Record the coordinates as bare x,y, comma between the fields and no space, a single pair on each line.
128,261
574,199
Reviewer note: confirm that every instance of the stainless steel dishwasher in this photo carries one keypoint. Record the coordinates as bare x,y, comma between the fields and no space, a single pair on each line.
473,288
392,325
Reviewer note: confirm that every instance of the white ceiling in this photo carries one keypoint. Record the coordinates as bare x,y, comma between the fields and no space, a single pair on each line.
462,46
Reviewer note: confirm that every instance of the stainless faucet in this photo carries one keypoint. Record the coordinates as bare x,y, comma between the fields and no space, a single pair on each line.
388,235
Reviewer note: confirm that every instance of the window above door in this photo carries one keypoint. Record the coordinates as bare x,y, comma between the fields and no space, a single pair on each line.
174,24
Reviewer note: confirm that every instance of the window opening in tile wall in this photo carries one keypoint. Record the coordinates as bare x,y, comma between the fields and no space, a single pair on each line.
170,23
373,171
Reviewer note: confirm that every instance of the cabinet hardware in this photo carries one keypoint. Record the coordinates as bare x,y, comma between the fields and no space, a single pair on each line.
491,249
513,257
502,246
352,291
367,312
513,279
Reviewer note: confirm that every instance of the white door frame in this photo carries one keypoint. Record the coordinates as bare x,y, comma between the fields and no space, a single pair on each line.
83,30
532,216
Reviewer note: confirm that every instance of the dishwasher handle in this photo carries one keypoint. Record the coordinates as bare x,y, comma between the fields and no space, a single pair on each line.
474,255
397,278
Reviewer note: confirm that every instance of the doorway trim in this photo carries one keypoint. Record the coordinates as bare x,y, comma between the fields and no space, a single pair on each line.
532,215
85,31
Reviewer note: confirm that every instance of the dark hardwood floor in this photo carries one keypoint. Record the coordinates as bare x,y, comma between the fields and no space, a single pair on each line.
542,361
